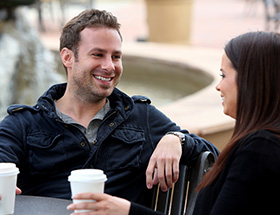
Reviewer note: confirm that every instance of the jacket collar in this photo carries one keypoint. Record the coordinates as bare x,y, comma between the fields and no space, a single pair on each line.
119,101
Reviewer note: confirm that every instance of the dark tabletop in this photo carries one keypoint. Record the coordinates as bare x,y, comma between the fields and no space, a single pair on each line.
34,205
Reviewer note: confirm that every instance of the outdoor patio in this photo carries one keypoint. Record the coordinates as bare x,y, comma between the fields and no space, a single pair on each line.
213,23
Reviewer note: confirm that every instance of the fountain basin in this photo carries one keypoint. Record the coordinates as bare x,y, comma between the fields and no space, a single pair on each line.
202,111
160,80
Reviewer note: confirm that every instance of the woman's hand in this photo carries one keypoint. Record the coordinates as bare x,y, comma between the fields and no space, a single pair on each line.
104,204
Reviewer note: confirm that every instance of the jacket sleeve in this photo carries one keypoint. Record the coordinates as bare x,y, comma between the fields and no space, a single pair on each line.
137,209
194,145
11,142
160,124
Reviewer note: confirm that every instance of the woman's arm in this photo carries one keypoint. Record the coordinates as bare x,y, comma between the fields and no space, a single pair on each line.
104,204
109,205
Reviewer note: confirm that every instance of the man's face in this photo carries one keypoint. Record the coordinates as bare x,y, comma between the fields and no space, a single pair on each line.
98,69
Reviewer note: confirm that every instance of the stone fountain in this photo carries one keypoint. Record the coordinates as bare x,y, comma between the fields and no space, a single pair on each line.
27,68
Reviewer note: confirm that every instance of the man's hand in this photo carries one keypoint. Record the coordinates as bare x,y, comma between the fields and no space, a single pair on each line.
18,191
164,163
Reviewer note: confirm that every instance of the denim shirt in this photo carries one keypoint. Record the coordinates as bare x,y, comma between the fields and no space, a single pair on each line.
46,149
91,130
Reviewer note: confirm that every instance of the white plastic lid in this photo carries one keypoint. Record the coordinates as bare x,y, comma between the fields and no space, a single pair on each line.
87,175
7,169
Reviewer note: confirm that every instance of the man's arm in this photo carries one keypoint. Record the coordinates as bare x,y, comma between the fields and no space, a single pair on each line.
11,143
18,191
163,166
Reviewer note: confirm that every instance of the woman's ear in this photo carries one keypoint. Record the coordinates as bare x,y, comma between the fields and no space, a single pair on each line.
67,57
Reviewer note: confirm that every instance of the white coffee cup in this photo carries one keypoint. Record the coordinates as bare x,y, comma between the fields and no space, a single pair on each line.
8,180
86,180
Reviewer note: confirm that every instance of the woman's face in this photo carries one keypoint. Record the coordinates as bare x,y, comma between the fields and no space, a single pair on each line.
228,87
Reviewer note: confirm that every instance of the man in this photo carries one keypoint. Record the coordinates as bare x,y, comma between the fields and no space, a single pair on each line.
88,123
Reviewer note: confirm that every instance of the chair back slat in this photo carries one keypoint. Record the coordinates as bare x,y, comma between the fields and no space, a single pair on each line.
180,199
179,193
202,166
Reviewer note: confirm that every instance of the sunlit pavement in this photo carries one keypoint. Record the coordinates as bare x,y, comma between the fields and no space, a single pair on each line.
213,22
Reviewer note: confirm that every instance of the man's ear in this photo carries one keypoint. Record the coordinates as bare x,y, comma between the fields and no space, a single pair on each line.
67,57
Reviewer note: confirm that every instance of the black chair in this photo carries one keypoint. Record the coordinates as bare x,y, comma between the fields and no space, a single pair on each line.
180,199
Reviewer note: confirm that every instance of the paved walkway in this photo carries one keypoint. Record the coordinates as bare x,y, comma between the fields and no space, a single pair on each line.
216,21
213,21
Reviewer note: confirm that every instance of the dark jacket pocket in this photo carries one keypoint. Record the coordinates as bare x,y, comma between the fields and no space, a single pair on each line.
125,148
46,153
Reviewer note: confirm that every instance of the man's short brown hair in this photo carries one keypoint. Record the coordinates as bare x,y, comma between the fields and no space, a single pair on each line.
70,36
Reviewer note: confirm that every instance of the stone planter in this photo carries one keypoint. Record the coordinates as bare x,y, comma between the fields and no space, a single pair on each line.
169,21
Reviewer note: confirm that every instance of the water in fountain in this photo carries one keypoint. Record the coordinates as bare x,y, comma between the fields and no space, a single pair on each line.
27,68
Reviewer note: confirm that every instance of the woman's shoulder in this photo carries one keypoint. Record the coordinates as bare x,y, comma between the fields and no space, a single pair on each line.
261,137
261,144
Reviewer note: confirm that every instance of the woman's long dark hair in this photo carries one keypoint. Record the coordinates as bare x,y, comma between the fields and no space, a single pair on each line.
256,58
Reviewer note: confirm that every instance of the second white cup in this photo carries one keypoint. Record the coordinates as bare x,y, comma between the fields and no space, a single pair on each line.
8,180
86,180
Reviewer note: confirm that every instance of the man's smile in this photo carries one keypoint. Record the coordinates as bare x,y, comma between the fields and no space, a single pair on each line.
102,78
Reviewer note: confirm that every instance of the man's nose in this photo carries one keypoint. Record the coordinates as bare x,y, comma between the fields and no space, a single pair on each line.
108,64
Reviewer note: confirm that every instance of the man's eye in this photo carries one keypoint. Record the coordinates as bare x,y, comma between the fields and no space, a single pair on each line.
96,55
222,75
116,57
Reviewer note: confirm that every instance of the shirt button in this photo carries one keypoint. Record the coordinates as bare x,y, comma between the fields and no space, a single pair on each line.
95,141
82,144
111,124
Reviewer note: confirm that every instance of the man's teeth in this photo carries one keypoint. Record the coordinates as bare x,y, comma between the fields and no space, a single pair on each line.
223,98
102,78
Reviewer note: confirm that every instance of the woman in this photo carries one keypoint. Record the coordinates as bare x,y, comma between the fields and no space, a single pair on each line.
246,177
